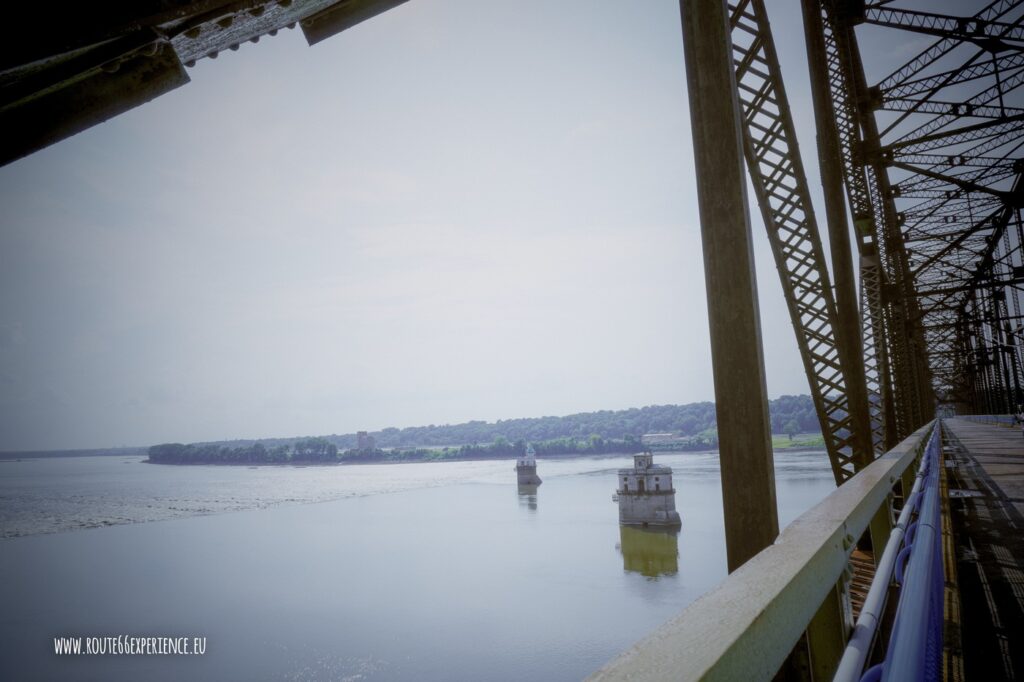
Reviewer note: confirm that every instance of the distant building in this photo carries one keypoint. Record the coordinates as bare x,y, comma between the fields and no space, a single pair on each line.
645,494
661,439
526,468
657,437
365,441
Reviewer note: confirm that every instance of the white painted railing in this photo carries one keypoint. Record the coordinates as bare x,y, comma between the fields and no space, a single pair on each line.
746,627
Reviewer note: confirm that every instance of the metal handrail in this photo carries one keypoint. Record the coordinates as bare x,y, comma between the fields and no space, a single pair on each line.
914,651
851,665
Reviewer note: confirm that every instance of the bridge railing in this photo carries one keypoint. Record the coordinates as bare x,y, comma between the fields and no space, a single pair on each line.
914,554
746,628
1000,419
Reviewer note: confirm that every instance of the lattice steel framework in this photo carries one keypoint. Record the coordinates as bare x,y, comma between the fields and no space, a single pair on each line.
932,167
930,156
780,184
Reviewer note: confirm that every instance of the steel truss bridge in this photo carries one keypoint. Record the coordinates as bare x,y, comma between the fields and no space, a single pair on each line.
927,159
914,311
917,303
920,163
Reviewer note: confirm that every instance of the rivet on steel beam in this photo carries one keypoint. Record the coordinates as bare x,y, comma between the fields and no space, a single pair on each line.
254,39
225,22
284,3
257,11
291,25
272,32
190,63
234,47
847,541
212,55
193,32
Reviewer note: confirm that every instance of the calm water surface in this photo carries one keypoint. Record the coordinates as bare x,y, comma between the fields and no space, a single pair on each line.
398,572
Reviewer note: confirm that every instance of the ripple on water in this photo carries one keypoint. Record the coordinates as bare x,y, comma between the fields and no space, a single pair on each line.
62,494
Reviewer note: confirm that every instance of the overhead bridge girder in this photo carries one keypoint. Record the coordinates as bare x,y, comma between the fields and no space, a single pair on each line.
932,154
832,363
926,160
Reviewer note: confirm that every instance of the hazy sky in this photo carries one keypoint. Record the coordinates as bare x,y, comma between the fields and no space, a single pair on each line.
457,210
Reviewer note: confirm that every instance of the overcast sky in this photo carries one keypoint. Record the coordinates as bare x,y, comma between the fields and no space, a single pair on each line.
457,210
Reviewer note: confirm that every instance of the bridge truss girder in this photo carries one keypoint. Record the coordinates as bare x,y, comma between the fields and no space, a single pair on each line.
830,357
930,165
937,142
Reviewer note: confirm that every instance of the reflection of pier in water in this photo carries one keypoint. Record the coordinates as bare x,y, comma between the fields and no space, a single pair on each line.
649,552
528,496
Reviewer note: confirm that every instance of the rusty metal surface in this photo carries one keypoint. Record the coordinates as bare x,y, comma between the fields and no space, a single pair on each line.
831,361
931,156
61,112
106,58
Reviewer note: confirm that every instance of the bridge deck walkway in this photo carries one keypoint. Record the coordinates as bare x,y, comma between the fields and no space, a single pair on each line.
985,467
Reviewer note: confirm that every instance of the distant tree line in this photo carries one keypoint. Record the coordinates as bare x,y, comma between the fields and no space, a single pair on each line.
793,414
692,420
304,450
320,451
585,433
501,448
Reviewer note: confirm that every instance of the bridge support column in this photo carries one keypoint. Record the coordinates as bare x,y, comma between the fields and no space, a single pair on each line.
849,327
827,635
881,527
741,403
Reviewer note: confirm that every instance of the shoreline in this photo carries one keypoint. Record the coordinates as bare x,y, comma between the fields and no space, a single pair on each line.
602,455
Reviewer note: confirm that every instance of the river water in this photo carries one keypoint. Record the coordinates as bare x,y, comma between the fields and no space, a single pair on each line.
433,571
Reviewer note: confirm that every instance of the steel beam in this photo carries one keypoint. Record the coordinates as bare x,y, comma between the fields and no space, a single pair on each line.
849,326
741,403
783,195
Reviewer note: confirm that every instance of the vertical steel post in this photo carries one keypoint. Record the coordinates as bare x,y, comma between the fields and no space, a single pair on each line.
879,529
830,163
741,403
1011,350
827,635
1000,343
